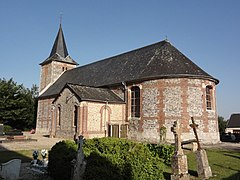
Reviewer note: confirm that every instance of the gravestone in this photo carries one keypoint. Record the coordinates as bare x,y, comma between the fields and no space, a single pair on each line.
179,160
1,130
80,164
203,168
11,169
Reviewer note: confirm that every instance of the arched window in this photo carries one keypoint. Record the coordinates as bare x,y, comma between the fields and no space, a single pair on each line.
209,97
59,116
135,101
75,116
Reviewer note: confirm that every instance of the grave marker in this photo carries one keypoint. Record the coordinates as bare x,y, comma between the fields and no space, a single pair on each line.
1,129
179,160
203,168
80,164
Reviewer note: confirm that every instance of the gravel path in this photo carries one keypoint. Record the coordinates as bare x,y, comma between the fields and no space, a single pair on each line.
36,142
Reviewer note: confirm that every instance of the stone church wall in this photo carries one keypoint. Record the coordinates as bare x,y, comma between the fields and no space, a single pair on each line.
44,117
93,117
51,72
100,115
164,101
66,102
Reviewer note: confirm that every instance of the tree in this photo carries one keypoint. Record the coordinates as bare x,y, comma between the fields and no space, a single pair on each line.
222,124
17,104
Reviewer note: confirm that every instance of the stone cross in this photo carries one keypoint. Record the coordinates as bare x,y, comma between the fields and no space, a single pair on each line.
80,164
80,149
177,136
195,126
179,160
203,169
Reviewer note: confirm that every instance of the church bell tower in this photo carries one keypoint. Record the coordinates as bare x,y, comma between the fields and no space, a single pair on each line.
57,62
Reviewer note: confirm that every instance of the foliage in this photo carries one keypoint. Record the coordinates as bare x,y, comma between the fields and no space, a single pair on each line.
60,157
163,151
110,158
107,158
222,124
7,128
17,104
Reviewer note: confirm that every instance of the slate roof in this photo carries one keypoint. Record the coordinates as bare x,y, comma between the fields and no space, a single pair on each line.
234,121
86,93
159,60
59,50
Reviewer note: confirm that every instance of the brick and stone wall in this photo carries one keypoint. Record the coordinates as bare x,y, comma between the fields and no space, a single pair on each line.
51,72
44,116
93,117
164,101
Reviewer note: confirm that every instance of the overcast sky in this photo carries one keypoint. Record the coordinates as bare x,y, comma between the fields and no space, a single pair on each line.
205,31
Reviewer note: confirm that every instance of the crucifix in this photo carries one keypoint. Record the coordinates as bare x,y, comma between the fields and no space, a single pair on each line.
203,169
177,136
179,160
194,126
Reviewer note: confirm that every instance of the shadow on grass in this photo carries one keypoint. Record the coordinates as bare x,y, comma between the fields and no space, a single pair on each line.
167,175
234,176
193,173
231,155
7,155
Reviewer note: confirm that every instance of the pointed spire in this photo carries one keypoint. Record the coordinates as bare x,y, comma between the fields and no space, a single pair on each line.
59,46
59,50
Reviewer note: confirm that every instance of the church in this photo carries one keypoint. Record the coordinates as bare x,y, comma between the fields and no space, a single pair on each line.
135,95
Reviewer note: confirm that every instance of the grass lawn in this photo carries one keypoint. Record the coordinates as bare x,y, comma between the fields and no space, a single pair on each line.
224,164
24,155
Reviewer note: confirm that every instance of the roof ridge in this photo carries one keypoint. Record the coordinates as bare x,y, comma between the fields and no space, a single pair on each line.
123,53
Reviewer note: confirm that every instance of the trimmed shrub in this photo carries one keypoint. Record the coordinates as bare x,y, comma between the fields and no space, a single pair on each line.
110,158
163,151
60,157
7,128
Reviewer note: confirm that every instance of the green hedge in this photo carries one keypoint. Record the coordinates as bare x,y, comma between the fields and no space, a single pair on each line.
111,158
60,157
163,151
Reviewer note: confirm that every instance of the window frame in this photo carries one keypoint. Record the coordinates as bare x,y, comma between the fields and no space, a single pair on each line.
135,102
59,114
209,97
75,115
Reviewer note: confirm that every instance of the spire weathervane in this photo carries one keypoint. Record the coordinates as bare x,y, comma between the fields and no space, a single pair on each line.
166,38
61,14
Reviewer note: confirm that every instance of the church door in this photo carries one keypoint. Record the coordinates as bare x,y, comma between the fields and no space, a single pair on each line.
113,130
